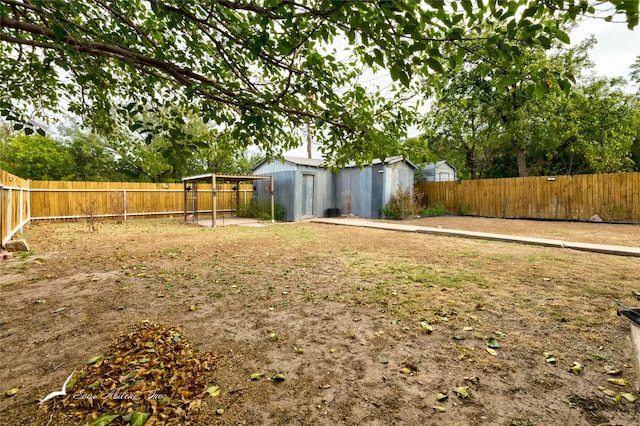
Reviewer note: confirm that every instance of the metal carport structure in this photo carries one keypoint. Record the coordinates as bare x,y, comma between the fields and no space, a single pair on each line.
190,185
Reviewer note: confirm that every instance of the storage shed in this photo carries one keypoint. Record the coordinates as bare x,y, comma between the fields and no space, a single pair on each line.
439,172
308,188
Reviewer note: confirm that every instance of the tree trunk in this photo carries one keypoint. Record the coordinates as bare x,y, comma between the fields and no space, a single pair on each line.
471,164
521,156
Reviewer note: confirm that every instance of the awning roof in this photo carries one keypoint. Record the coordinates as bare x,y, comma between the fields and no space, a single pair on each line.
228,178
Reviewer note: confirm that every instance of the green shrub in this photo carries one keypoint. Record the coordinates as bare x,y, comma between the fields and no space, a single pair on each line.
437,210
400,205
261,210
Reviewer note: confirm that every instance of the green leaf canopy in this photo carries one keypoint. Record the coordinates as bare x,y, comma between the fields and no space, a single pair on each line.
259,69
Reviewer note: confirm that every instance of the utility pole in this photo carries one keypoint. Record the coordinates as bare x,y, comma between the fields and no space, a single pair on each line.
309,138
312,98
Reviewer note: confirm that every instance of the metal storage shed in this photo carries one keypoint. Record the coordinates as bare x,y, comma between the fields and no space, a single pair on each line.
303,187
309,188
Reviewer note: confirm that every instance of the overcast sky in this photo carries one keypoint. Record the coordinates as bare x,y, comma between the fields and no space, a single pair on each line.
616,50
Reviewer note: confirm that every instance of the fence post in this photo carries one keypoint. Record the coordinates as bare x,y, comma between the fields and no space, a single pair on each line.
124,204
20,212
29,200
504,210
9,216
1,224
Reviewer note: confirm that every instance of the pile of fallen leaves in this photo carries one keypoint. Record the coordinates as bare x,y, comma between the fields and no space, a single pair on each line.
151,376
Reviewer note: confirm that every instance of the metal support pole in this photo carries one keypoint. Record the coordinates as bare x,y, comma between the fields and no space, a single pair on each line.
213,200
184,198
273,216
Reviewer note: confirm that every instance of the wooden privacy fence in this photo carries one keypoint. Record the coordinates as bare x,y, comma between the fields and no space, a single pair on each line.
75,200
614,197
23,200
14,205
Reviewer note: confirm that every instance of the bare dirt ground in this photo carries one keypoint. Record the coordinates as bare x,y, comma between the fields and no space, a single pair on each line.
346,325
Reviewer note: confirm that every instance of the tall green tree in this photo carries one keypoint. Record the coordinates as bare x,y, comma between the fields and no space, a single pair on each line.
36,157
258,69
462,126
93,159
517,130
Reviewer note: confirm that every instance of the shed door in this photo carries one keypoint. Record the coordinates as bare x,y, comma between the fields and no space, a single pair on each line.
307,195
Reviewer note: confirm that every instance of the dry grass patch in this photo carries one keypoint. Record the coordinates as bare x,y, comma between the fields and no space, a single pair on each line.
371,325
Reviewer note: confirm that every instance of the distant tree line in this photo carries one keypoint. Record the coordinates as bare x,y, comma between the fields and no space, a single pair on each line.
74,153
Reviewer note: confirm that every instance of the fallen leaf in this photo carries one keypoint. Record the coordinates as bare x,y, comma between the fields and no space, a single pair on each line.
493,343
256,376
299,351
619,382
94,359
103,420
458,337
576,368
41,301
220,411
473,380
608,392
138,418
629,397
462,391
467,329
213,390
279,377
426,326
441,396
55,311
383,360
405,370
439,409
12,391
492,352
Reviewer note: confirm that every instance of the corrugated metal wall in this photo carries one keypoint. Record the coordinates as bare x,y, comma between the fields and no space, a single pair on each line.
361,192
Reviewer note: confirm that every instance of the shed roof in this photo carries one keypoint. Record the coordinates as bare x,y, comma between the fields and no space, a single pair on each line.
221,178
312,162
298,161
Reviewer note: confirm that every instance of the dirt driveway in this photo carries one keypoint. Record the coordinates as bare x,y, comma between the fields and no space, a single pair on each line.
312,324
